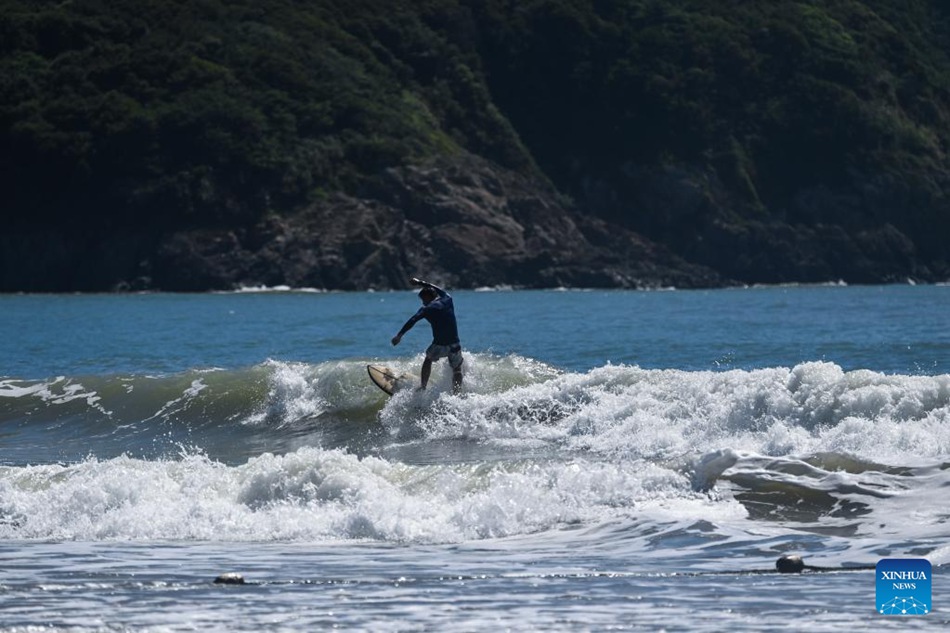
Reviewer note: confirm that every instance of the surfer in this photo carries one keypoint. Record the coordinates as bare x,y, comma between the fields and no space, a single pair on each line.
438,309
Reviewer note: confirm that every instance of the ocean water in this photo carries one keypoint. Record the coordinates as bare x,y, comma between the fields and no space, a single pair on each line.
625,460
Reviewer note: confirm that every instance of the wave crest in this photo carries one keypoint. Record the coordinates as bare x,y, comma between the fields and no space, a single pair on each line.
618,410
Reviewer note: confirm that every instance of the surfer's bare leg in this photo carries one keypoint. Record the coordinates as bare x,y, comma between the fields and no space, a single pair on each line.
426,370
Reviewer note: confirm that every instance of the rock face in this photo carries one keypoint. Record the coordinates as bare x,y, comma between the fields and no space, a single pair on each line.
464,222
859,233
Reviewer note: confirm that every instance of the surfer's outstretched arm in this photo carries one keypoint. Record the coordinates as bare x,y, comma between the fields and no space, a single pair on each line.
408,326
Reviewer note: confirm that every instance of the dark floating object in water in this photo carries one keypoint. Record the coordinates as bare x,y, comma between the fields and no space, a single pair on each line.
229,578
790,564
795,564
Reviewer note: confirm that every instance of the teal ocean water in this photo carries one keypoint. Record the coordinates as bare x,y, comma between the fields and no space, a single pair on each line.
617,460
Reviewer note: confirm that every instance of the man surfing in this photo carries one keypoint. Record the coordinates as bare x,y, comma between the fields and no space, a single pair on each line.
438,309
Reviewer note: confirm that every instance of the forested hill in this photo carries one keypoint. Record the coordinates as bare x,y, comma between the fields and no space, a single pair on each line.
202,144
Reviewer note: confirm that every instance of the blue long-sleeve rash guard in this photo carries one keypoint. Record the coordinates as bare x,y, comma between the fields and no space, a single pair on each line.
440,313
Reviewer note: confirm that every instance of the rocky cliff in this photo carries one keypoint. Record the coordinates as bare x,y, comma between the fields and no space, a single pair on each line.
465,222
350,145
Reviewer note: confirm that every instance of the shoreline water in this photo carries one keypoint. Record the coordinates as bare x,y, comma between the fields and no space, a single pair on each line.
104,586
285,289
621,460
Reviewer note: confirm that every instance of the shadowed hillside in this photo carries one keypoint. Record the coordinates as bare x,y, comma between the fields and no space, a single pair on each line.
341,144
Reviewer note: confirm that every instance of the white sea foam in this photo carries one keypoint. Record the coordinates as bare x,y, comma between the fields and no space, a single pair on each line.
615,444
613,410
293,396
623,410
278,288
312,494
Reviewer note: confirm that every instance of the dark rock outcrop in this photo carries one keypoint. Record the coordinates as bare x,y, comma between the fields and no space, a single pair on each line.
468,223
857,232
465,222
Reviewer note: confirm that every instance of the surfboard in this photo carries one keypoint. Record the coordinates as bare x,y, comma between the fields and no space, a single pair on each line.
387,380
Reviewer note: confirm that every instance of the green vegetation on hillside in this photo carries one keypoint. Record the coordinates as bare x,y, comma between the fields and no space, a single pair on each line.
773,98
674,117
208,112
